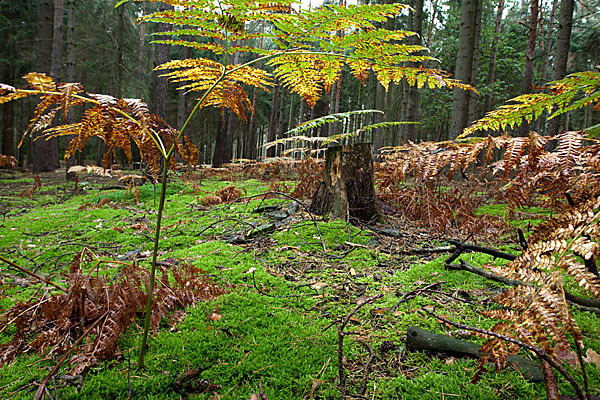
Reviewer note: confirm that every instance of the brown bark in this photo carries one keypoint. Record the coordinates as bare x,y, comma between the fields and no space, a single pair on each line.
348,187
272,133
8,118
533,23
464,65
489,102
70,64
44,154
159,84
565,23
547,51
412,95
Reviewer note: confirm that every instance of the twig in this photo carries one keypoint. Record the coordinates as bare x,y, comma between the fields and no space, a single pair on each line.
587,304
480,249
341,373
541,353
363,386
262,394
40,391
12,264
414,293
283,296
293,199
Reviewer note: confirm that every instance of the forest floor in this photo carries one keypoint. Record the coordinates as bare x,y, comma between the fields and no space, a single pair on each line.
300,295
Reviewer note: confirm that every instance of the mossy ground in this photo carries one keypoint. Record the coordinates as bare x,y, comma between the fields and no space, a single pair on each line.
278,325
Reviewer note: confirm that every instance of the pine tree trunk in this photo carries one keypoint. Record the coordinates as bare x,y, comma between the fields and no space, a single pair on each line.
565,23
464,65
489,102
547,52
474,97
412,95
8,118
45,152
70,63
272,135
347,189
159,84
529,55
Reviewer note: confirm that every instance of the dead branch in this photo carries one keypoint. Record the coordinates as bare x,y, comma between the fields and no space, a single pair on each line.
40,392
363,386
12,264
541,353
341,334
587,304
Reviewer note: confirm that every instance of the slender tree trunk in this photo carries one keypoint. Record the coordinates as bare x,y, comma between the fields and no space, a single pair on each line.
565,23
219,153
474,97
250,145
489,102
159,84
378,139
547,52
8,117
272,136
412,95
45,152
136,157
464,65
186,52
529,55
141,58
70,64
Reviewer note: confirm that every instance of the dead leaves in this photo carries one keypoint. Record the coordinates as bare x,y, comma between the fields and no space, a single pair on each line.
107,305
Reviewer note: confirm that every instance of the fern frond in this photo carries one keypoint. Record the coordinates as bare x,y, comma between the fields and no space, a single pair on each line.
569,150
577,90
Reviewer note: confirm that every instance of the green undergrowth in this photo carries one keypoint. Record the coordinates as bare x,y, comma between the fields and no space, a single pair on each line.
277,325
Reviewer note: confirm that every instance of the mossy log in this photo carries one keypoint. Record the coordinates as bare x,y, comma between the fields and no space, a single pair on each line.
420,339
348,188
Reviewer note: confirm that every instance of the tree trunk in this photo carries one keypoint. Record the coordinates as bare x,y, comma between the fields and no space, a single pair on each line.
380,95
529,55
159,84
489,102
45,152
547,51
8,118
412,95
219,153
136,157
347,189
565,23
464,65
474,97
272,136
70,63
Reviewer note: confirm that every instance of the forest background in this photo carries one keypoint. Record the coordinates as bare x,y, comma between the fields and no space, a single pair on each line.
503,48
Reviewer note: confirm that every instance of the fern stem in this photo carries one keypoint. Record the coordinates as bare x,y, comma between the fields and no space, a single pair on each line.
148,311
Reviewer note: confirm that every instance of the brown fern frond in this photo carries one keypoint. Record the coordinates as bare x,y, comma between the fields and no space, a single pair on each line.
569,150
49,324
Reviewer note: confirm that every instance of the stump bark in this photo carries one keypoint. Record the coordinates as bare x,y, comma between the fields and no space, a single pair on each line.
348,186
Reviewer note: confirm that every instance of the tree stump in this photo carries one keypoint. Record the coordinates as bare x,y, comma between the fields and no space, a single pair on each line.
348,186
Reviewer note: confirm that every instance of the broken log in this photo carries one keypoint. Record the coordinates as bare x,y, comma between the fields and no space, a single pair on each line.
420,339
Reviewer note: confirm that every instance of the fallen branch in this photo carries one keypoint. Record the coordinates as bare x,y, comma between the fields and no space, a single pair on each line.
587,304
420,339
12,264
41,390
342,375
541,353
